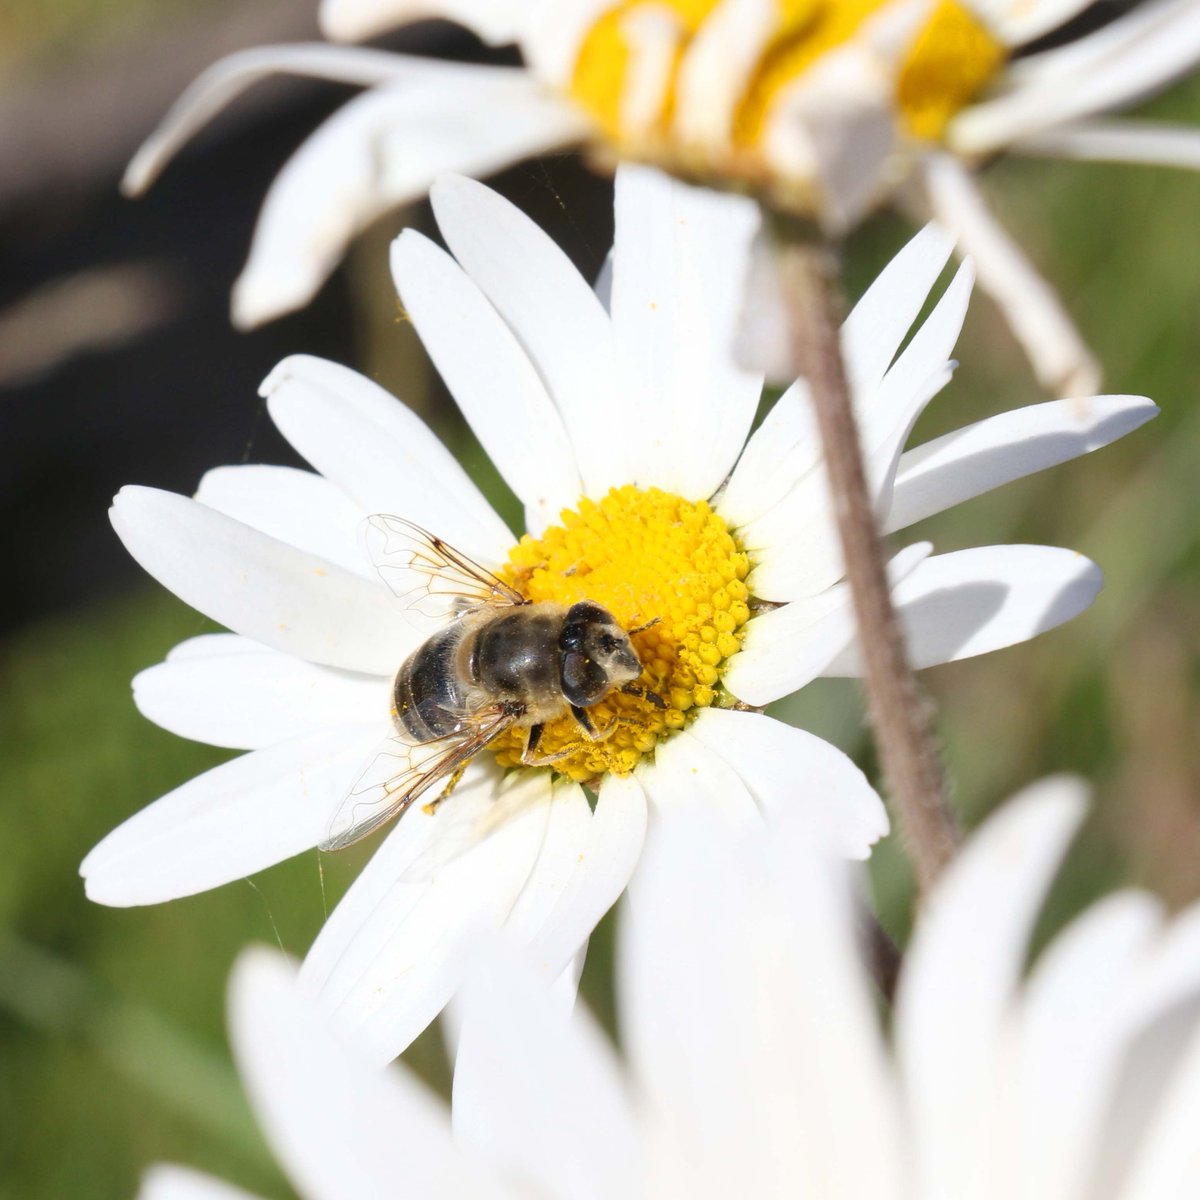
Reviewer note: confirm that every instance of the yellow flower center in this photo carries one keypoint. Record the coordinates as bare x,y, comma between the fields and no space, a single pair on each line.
642,555
943,66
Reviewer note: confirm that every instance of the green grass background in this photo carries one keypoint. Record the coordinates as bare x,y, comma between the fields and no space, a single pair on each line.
112,1044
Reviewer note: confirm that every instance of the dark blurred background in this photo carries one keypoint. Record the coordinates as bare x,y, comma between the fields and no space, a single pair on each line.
118,365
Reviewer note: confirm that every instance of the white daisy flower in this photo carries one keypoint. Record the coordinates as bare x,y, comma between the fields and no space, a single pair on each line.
755,1064
626,435
828,107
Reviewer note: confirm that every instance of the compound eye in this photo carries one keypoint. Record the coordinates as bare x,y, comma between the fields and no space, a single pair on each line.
583,681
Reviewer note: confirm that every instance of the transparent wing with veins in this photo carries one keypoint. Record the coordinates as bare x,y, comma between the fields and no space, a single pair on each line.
432,577
404,772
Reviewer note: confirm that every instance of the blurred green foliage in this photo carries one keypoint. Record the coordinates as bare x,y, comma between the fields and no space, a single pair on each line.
36,32
111,1022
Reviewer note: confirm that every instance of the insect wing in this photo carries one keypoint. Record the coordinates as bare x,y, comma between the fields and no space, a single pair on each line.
431,576
401,774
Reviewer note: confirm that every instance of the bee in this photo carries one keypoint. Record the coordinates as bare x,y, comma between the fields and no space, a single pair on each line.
501,662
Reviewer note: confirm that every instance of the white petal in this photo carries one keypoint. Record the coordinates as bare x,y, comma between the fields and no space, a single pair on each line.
339,1128
739,979
1159,1007
395,949
680,265
784,448
1118,65
381,149
297,507
1171,977
556,317
1124,141
226,79
977,458
687,774
1067,1047
354,20
238,818
717,68
1169,1162
381,454
1061,361
878,323
790,646
163,1182
254,696
961,971
833,127
886,417
537,1091
954,606
567,830
206,644
796,544
786,768
600,870
491,379
1018,21
260,587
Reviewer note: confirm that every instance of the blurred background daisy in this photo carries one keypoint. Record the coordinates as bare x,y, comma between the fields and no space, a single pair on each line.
117,362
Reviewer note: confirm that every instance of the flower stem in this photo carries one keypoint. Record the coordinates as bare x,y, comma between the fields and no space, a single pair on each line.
809,273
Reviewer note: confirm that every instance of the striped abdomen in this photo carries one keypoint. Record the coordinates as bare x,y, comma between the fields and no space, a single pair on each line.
430,693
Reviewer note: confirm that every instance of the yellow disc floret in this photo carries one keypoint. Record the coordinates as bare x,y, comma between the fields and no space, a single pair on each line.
935,70
645,556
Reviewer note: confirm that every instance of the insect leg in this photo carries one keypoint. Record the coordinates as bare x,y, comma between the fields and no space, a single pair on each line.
584,721
636,689
531,758
444,794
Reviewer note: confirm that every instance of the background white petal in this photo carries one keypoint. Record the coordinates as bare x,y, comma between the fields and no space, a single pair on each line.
1143,142
538,1094
1118,65
261,587
165,1182
961,972
340,1129
226,79
1018,21
253,696
230,822
379,150
1067,1042
353,20
708,946
1060,359
490,377
1169,1160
